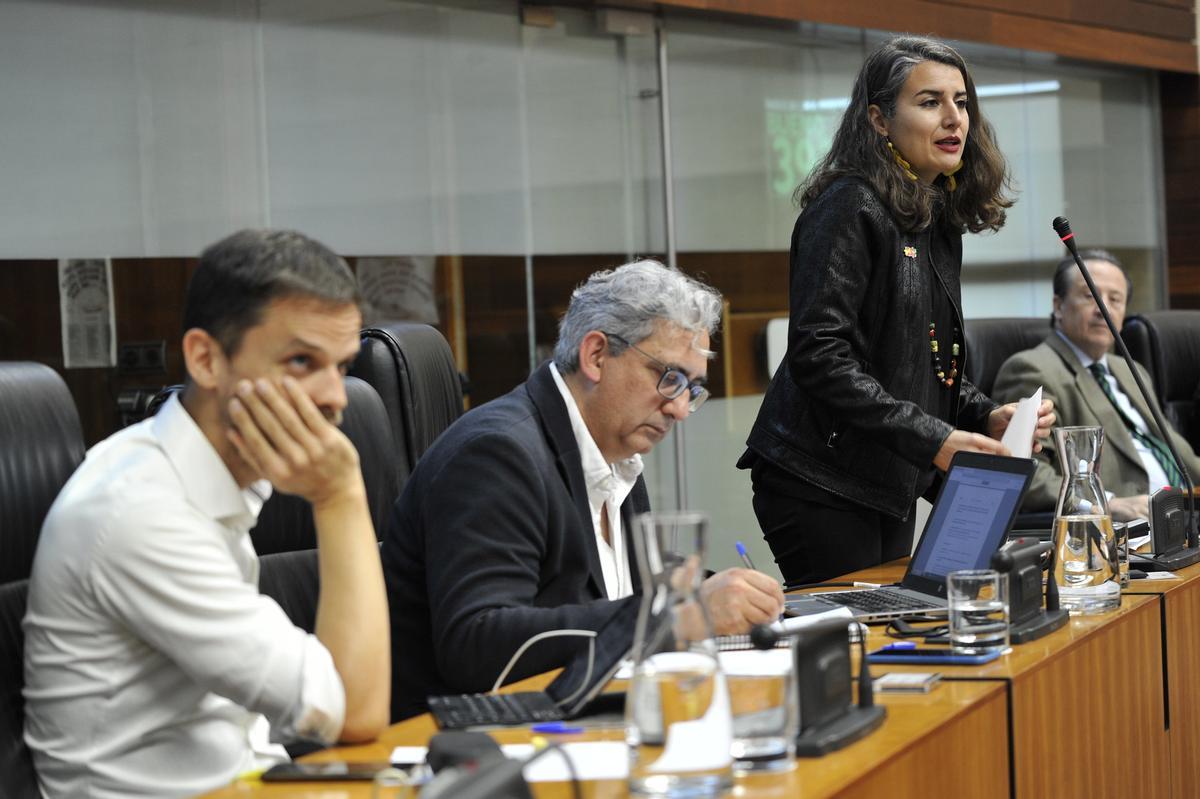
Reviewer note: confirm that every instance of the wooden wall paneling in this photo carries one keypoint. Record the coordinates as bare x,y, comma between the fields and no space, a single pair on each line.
1180,99
31,330
494,318
1078,39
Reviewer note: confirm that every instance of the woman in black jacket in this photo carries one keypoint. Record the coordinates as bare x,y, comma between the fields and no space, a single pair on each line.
870,399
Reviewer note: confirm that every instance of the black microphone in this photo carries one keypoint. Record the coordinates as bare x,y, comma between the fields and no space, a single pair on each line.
764,637
1063,228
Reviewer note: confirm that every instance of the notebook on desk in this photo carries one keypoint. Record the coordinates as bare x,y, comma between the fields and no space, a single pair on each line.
969,521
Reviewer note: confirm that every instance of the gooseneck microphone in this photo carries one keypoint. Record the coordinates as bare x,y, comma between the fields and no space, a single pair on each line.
1063,228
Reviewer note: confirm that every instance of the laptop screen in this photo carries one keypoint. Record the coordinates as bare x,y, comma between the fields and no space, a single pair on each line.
970,519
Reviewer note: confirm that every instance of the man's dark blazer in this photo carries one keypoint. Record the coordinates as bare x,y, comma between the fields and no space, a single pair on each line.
492,542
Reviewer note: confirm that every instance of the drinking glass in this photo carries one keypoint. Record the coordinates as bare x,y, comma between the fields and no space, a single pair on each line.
978,601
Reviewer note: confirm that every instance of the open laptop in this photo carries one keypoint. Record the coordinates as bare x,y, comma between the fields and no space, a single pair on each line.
574,692
970,519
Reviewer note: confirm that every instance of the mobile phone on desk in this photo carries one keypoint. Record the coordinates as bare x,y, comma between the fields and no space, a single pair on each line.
932,656
330,771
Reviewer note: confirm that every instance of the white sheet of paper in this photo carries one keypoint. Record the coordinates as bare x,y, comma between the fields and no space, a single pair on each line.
1019,435
593,760
409,754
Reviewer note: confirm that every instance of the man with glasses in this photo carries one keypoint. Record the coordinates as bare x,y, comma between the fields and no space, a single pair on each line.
517,521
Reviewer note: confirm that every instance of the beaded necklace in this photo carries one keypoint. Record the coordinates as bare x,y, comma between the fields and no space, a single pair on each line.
945,379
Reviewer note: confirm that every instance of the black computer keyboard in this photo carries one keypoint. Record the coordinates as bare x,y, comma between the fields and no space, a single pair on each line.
875,601
486,710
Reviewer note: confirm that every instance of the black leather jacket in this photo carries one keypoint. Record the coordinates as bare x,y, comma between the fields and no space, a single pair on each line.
852,407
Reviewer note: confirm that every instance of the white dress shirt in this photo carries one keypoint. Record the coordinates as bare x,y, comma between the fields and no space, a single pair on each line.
1155,476
149,652
607,485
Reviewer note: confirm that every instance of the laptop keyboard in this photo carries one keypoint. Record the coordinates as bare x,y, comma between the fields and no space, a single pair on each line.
479,710
874,601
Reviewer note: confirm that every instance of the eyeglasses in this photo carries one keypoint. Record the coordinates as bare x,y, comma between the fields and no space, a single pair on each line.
673,382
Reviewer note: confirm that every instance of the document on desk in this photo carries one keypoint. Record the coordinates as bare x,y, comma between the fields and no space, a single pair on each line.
593,760
1019,435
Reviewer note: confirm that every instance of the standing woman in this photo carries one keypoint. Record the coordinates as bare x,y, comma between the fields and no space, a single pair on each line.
870,398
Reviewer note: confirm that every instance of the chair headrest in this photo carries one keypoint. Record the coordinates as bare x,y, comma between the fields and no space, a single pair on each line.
413,369
1167,343
41,443
990,342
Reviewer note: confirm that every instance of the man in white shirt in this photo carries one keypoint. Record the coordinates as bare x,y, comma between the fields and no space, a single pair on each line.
153,666
1090,388
517,520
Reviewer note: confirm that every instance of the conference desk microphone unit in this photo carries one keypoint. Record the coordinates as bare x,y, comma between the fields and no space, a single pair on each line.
1021,563
828,718
1172,544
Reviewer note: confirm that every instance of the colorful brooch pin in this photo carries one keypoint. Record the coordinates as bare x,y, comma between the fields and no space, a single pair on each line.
910,252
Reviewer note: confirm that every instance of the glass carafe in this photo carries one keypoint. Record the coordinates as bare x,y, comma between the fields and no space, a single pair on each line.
677,713
1085,548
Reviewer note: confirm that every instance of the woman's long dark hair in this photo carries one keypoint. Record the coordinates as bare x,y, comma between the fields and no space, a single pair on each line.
858,149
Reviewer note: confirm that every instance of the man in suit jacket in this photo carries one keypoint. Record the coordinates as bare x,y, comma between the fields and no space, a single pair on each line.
1063,365
516,521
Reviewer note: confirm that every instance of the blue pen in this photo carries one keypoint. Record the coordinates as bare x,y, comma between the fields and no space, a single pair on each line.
741,548
899,645
556,728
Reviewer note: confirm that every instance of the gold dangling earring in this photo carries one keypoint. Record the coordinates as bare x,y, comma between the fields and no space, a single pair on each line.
907,167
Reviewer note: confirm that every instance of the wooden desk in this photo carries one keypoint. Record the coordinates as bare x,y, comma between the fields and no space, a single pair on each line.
1064,743
1027,720
1179,602
905,758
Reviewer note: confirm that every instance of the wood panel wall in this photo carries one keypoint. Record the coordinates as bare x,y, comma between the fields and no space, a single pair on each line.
1180,96
1159,34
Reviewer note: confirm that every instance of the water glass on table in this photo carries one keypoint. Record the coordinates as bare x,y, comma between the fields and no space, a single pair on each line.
765,705
978,603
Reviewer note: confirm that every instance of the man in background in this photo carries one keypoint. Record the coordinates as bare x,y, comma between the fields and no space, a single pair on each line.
1089,388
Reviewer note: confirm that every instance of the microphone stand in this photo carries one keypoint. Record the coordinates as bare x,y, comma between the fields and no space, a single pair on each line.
1063,228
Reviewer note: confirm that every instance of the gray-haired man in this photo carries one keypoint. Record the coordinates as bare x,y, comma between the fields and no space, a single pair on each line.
516,520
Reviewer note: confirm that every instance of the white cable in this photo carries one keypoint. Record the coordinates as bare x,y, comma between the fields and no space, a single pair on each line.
591,634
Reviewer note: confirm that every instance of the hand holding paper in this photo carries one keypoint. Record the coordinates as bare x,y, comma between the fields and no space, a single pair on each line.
1025,422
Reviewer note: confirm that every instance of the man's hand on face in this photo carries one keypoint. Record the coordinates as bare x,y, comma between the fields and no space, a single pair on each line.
738,599
284,437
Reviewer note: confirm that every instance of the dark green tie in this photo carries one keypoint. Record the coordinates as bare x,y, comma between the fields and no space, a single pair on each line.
1156,446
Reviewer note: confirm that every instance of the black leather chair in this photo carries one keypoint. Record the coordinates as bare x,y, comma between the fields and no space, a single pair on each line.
41,443
990,342
1167,343
412,368
17,777
292,579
